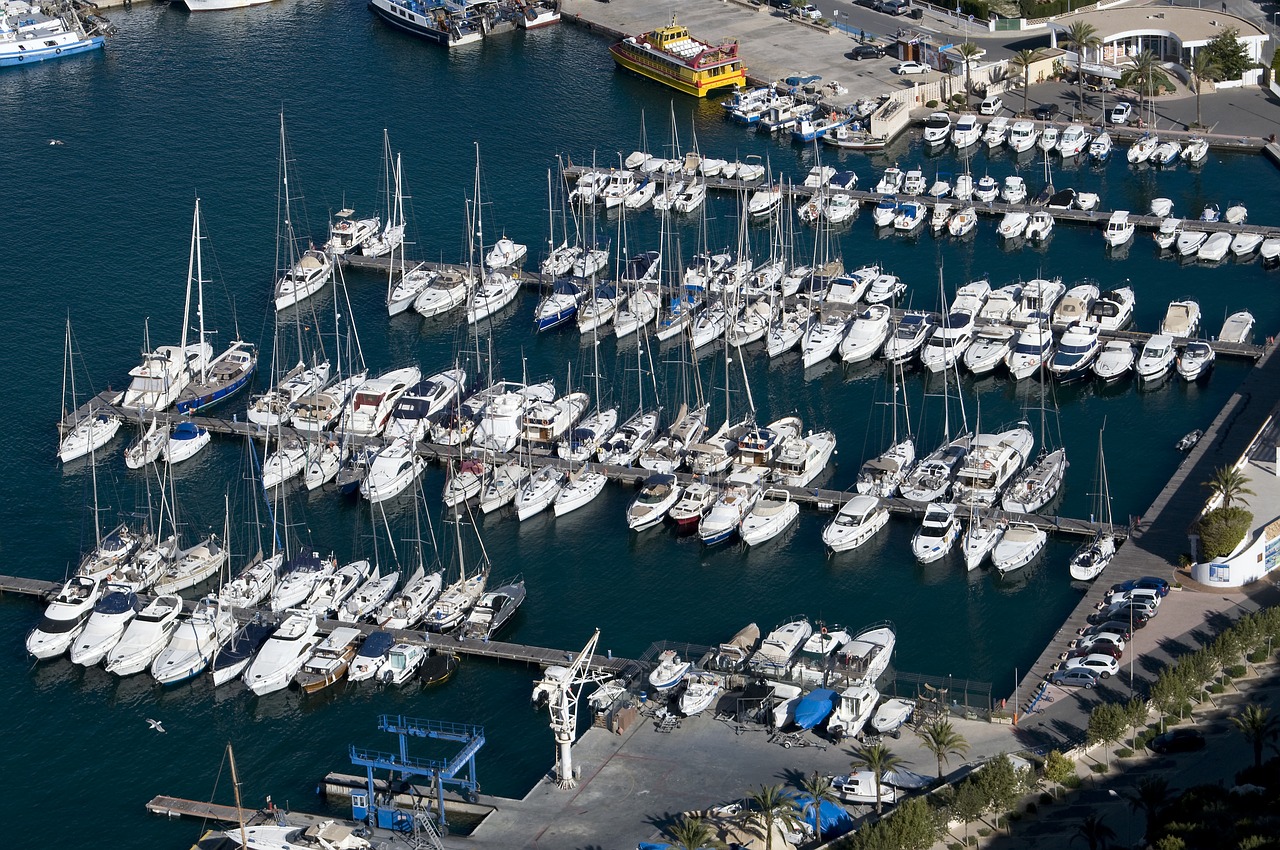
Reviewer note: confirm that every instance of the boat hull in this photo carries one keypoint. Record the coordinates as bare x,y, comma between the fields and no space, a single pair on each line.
700,89
42,53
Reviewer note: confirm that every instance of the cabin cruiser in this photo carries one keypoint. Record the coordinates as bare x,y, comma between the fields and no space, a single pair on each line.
325,835
1166,153
979,538
1215,248
1113,311
932,477
1037,302
301,575
1238,327
937,533
1018,547
853,711
1076,352
772,514
501,413
282,655
64,617
866,335
1013,225
886,211
1166,235
1000,304
373,401
1196,360
145,637
802,459
112,613
411,416
1157,358
990,347
937,128
194,643
742,491
966,132
494,611
992,462
1181,320
1114,360
1073,140
987,189
1119,229
909,217
330,660
1014,190
912,330
547,421
447,290
948,342
840,208
304,279
780,646
1023,136
1031,351
995,131
940,217
865,658
693,505
1189,242
1049,138
891,181
855,523
1075,306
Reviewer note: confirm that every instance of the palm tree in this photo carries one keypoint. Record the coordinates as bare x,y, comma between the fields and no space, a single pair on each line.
941,739
968,51
1095,833
1145,75
692,833
1258,726
774,808
819,789
1202,68
1082,36
876,758
1150,798
1228,482
1023,60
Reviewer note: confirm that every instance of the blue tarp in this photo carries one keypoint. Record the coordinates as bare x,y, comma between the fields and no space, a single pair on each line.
649,845
814,707
835,818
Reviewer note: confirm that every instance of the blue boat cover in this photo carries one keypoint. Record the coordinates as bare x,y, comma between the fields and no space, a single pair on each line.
650,845
836,820
376,644
814,707
565,286
117,602
185,431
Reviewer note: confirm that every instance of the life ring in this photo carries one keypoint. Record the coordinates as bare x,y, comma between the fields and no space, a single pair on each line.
57,50
986,465
824,630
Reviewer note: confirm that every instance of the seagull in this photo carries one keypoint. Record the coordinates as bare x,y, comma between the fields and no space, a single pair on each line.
155,724
56,142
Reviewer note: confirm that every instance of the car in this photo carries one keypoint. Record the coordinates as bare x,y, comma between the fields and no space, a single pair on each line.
808,10
1139,613
1045,111
1149,595
1147,582
1104,665
780,4
1178,741
1120,114
1113,640
1076,677
904,68
1111,631
892,7
991,104
866,51
1101,647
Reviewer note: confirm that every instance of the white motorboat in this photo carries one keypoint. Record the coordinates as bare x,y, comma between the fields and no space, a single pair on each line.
799,460
1189,242
866,335
145,637
909,217
987,189
1119,229
1196,360
1114,361
884,212
401,664
1101,146
194,643
1113,311
1161,207
1211,213
1245,244
1073,140
392,471
320,836
411,415
1142,150
856,705
1215,248
891,181
1018,547
370,657
822,338
1088,200
1181,320
348,234
937,533
282,655
1040,226
301,574
369,410
700,692
1032,349
840,208
409,607
1013,190
252,586
866,657
670,671
655,499
910,335
64,617
979,538
1238,327
963,222
990,347
992,462
113,611
857,521
964,187
937,128
1075,306
1038,484
332,591
371,595
1076,352
1037,302
780,646
891,716
581,487
1196,151
966,131
995,132
885,289
1157,358
185,441
505,254
447,290
231,660
1236,213
948,342
1023,136
1166,153
1049,138
1000,304
741,492
940,217
772,514
914,183
1013,225
693,505
1166,235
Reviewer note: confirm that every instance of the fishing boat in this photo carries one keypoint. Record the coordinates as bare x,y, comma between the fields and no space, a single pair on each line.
403,661
444,24
1119,229
329,661
853,709
672,57
1023,136
282,655
64,617
857,521
33,33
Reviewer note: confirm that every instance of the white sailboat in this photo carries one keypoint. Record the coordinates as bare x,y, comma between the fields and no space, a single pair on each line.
392,235
92,431
301,275
1091,559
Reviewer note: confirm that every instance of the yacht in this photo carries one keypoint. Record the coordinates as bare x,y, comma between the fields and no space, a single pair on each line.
148,448
866,657
912,330
786,331
189,567
629,442
855,523
301,574
501,413
772,514
1157,358
995,131
1073,140
979,538
992,462
318,411
539,492
1113,311
494,611
145,637
1119,229
963,222
282,655
1014,190
1114,361
949,341
1196,360
932,477
867,334
412,283
370,657
780,646
1037,302
287,462
232,659
668,453
329,661
966,131
937,128
547,421
885,289
93,432
1023,136
455,602
373,401
937,533
1181,320
112,613
409,607
1018,547
1076,352
411,416
742,491
990,347
447,290
348,234
64,617
1032,350
194,643
1238,327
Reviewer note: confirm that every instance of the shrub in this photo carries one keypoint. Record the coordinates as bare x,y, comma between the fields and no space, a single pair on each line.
984,831
1235,671
1072,782
1012,817
959,99
1099,768
1221,531
1258,656
931,104
955,846
1216,688
1124,753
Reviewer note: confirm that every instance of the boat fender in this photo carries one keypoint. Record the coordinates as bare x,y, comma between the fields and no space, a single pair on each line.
57,50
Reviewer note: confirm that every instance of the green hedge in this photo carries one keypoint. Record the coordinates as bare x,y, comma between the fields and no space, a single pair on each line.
980,9
1034,9
1221,531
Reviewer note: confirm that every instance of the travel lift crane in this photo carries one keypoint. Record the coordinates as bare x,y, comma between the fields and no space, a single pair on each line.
560,688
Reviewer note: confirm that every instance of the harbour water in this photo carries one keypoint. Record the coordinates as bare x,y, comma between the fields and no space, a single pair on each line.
180,106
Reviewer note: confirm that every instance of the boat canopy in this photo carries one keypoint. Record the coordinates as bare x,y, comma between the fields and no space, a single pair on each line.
376,644
814,707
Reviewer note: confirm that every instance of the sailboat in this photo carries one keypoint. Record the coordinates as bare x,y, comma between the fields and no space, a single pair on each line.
583,483
392,234
92,431
456,601
497,288
300,276
229,372
882,475
638,432
404,285
1038,484
1091,559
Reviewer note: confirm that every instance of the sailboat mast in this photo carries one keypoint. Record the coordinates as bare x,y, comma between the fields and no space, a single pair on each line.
66,368
204,374
191,265
479,234
235,784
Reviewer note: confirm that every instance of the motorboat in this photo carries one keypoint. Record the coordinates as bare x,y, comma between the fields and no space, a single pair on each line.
1049,138
937,128
937,533
819,176
891,181
1166,153
323,835
941,186
987,189
700,692
891,716
910,216
1088,201
857,521
1100,148
1215,248
964,187
1073,140
371,595
333,591
1063,199
1038,484
392,471
1037,302
493,612
963,222
194,643
780,646
370,657
1238,327
980,536
413,411
1181,320
1013,225
940,217
764,201
234,657
1157,358
885,289
669,672
539,492
1040,226
866,335
1088,562
402,663
865,657
693,504
1196,360
1119,229
840,208
282,655
145,637
1143,148
1076,351
772,514
1113,311
853,710
505,254
447,290
64,617
995,131
990,347
1161,207
252,586
330,661
1031,351
1075,306
908,337
800,460
931,478
301,574
742,491
822,338
1166,235
348,234
1245,244
1014,190
992,462
1114,361
303,279
1023,136
1211,213
966,131
1189,242
1236,213
948,342
409,607
185,442
914,183
1196,150
1018,547
372,402
112,613
885,211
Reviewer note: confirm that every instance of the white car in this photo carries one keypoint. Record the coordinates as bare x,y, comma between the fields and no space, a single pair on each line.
990,105
1110,638
809,11
904,68
1121,113
1104,665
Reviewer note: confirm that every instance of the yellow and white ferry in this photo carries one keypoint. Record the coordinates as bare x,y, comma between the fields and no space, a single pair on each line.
671,56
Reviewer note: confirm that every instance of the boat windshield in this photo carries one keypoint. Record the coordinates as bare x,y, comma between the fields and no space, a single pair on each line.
1032,347
937,122
1076,350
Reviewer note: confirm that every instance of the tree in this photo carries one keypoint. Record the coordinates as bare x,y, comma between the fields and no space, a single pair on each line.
969,804
1221,530
1022,62
968,52
1150,798
1228,54
773,808
1228,483
942,739
692,833
1095,833
876,758
1258,727
913,826
1203,67
1136,711
1058,769
1000,783
1165,694
1107,723
1145,76
819,789
1082,36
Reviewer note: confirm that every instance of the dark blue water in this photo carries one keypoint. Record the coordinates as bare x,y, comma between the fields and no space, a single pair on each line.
181,106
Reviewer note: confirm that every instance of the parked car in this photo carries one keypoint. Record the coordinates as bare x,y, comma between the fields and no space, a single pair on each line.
1077,677
1139,613
1114,640
1178,741
867,51
1046,111
1120,114
1113,631
809,11
1151,582
1148,595
780,4
1104,665
991,104
1101,647
892,7
905,68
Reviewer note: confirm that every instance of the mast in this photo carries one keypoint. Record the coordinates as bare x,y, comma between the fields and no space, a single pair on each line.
204,365
191,265
235,784
66,369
